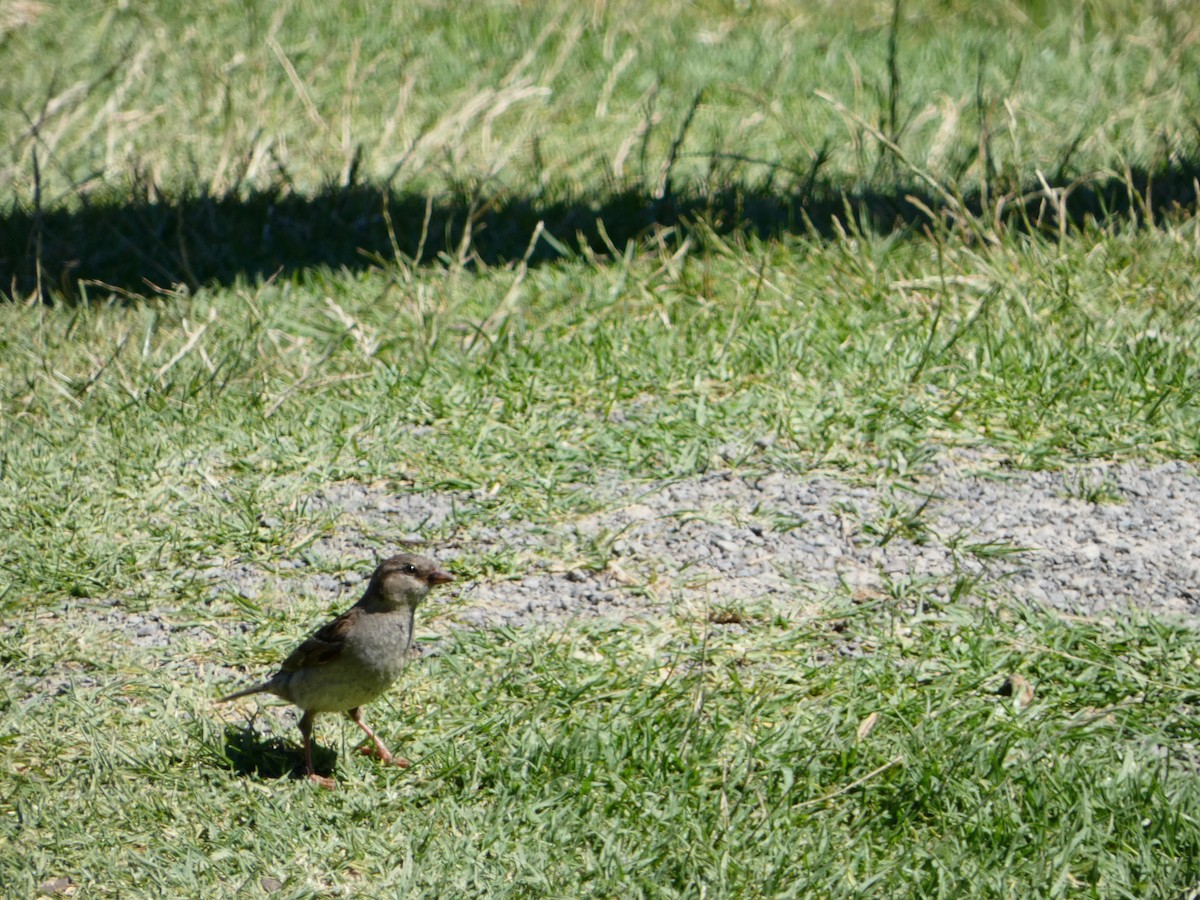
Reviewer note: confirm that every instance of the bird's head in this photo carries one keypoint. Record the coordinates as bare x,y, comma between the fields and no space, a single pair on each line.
404,580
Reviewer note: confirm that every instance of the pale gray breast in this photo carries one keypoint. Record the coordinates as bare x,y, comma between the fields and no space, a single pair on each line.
380,644
371,659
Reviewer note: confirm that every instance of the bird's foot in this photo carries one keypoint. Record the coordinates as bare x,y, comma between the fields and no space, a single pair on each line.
322,781
385,756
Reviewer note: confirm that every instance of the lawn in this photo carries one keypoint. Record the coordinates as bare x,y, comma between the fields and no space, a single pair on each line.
516,251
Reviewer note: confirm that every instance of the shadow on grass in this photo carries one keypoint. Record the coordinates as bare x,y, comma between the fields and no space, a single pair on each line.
250,754
142,246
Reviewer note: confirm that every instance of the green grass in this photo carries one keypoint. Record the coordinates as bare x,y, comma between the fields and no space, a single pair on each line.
286,96
645,761
519,249
162,433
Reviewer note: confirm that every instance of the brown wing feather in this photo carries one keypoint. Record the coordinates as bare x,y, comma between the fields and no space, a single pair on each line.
325,645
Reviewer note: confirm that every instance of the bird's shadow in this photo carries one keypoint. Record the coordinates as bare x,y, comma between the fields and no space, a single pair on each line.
247,752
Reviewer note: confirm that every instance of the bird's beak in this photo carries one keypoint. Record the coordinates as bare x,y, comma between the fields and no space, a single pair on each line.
437,576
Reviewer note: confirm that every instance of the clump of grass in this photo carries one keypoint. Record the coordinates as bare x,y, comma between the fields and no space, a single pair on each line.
1096,489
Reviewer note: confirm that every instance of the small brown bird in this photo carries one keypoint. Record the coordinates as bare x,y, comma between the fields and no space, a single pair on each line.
355,658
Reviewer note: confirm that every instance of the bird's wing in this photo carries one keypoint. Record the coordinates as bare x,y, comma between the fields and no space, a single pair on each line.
324,645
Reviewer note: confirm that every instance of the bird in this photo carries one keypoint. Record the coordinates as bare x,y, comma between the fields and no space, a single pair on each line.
354,658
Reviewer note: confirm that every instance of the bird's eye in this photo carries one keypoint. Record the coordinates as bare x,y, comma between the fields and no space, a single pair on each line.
410,569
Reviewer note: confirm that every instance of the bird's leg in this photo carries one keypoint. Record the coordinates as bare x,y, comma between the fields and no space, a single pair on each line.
380,752
306,728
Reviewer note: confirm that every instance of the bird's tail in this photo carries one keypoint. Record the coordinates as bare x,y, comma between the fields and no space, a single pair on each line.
257,689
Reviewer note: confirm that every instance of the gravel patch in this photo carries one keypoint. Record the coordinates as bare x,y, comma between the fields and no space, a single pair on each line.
796,541
967,527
